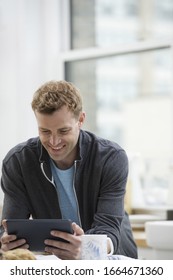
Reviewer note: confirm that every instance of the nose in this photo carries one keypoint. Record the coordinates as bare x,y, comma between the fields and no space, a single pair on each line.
54,140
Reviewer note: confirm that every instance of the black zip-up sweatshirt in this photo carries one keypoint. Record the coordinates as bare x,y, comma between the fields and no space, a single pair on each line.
99,180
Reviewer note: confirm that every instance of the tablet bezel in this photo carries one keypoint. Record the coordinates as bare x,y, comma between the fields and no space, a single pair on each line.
35,231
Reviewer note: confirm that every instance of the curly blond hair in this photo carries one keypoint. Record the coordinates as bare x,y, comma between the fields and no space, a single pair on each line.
52,95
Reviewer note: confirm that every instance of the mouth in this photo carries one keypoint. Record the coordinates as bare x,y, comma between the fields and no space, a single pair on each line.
56,149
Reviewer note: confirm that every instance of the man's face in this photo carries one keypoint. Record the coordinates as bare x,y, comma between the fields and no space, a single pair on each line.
59,134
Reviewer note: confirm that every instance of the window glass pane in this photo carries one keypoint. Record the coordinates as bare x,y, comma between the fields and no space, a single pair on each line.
128,98
105,23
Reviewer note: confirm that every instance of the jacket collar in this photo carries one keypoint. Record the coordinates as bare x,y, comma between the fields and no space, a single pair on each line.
44,157
82,148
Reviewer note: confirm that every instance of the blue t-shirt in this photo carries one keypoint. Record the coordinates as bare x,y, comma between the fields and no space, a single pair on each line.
66,193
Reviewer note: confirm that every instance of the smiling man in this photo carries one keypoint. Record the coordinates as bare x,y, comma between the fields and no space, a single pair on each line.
67,173
59,133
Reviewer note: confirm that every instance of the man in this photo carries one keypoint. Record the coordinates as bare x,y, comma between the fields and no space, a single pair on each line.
68,173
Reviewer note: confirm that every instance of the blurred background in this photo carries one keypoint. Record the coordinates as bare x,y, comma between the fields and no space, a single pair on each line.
119,53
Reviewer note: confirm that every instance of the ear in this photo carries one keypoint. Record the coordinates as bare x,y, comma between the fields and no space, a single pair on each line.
81,118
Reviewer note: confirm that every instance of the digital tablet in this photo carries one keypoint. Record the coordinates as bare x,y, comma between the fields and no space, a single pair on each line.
37,230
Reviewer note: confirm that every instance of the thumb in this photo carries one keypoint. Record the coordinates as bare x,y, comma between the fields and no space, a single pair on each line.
4,225
77,229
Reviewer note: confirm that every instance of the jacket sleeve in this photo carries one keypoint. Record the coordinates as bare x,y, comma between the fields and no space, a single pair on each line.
110,213
15,203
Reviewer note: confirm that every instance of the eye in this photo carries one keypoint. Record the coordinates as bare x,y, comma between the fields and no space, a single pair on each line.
65,131
44,131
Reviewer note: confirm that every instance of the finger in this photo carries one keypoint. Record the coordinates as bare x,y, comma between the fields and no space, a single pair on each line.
7,238
57,252
77,229
73,254
70,238
9,242
61,234
4,225
63,255
58,244
13,245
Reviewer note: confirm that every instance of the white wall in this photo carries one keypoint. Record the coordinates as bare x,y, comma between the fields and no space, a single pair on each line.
31,36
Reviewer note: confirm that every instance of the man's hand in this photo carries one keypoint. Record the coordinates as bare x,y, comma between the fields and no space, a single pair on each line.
9,242
69,250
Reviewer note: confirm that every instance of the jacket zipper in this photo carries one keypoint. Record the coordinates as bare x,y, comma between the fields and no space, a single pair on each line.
78,213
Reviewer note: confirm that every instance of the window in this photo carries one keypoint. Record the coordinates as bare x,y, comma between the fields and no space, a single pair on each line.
121,58
106,23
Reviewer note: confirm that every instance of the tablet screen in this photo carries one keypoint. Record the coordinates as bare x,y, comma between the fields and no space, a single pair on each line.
37,230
